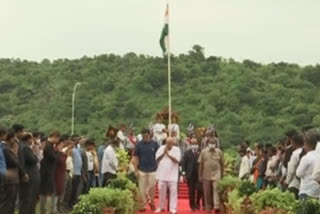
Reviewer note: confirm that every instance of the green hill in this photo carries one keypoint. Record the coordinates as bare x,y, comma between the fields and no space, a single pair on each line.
246,100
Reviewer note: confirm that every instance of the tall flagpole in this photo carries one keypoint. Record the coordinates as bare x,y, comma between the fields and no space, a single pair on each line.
73,99
169,71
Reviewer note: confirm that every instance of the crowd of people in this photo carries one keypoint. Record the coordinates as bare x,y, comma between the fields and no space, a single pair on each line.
54,170
292,164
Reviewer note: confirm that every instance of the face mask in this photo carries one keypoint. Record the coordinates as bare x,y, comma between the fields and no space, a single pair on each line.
211,146
194,147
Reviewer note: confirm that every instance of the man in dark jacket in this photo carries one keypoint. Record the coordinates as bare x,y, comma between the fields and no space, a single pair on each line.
288,152
9,190
18,133
29,191
47,170
190,172
84,172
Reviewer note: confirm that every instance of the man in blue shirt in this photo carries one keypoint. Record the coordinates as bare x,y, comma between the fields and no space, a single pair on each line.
145,168
3,166
77,167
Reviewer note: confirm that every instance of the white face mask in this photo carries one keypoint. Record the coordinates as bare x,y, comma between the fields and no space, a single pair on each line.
211,146
194,147
31,145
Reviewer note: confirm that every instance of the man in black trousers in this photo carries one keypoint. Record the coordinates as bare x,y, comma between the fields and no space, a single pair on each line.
190,172
9,189
29,191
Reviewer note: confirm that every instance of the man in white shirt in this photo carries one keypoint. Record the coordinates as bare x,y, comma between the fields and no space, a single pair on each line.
168,156
316,171
159,131
110,162
89,146
245,168
121,135
174,127
291,179
271,172
309,188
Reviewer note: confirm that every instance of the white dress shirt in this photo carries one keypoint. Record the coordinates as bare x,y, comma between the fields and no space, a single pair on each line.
158,133
167,169
271,164
109,161
318,147
291,178
305,169
316,173
244,167
69,165
90,160
175,127
121,136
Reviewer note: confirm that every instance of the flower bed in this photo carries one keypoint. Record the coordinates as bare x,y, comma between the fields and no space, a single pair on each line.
241,197
119,197
106,200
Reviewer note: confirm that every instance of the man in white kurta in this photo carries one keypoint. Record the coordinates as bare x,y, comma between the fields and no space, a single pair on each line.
168,157
110,163
309,188
159,131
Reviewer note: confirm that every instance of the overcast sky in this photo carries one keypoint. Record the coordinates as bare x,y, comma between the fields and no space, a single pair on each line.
261,30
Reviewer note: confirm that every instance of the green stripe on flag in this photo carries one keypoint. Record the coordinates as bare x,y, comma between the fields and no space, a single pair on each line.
164,34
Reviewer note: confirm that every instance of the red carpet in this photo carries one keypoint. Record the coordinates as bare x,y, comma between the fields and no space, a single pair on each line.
183,203
183,191
183,208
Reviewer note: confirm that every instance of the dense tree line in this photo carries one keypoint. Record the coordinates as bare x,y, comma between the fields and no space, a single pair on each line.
246,100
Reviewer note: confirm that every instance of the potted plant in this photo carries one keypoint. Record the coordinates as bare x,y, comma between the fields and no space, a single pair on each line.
310,206
124,183
106,200
225,186
246,189
272,198
108,210
234,202
273,210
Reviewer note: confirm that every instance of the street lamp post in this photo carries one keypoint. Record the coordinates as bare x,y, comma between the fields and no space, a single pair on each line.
73,99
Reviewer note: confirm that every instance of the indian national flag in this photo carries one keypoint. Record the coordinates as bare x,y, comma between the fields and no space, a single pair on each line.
164,39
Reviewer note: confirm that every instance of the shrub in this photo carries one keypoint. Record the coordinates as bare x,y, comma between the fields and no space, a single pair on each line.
123,159
228,183
307,207
100,198
230,159
132,177
246,188
235,201
122,183
273,198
